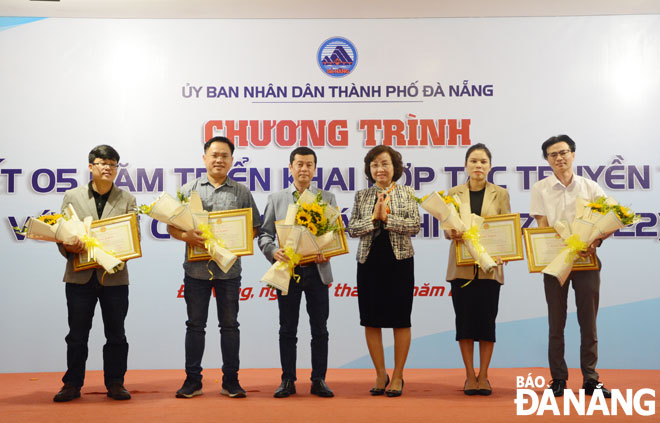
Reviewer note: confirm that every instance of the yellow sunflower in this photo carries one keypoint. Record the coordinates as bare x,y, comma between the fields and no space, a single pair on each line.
317,209
50,219
303,218
626,211
312,228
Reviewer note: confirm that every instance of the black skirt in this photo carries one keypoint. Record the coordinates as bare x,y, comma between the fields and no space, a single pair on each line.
475,306
385,286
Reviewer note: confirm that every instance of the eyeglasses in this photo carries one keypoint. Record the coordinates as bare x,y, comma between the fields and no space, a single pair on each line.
108,165
375,166
562,153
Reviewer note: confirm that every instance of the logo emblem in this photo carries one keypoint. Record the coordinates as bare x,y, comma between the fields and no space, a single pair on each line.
337,57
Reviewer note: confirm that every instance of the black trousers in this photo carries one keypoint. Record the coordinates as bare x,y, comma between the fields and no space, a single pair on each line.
81,301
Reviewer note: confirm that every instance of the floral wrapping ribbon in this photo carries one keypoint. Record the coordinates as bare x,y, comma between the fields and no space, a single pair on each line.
92,242
574,245
474,237
209,244
294,259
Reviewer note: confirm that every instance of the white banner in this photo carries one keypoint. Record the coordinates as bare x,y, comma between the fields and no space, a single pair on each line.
155,89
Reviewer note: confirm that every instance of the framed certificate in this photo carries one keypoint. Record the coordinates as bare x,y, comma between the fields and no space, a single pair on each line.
234,228
544,244
501,237
336,247
118,235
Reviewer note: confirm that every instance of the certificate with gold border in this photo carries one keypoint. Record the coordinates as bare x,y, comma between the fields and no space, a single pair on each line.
544,244
118,234
501,237
234,228
337,247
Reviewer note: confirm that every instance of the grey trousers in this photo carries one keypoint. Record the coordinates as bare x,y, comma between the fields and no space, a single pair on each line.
586,285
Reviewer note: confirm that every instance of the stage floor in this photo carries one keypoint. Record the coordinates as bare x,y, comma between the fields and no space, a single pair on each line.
430,395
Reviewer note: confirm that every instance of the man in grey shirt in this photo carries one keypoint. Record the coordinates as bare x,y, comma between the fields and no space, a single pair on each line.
314,280
217,192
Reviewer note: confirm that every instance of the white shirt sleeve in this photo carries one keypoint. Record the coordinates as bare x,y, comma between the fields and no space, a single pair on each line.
597,191
537,205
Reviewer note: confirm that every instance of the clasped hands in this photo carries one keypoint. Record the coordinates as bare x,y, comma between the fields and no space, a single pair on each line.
382,208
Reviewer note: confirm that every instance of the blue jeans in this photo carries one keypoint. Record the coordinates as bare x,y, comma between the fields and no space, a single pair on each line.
197,294
81,302
318,309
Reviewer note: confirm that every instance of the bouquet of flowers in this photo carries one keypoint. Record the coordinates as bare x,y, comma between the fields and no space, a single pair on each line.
66,228
307,229
593,220
186,214
607,214
453,214
43,227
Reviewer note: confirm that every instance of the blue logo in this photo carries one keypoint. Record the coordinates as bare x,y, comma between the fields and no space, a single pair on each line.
337,57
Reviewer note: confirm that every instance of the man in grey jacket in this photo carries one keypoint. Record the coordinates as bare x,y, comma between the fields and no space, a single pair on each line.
101,199
314,280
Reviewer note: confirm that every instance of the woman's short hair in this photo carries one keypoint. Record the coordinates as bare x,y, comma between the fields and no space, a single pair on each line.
395,156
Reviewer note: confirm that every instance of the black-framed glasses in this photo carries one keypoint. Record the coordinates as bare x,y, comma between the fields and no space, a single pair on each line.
108,165
562,153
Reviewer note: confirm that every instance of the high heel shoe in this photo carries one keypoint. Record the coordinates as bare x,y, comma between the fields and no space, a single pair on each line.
378,391
395,392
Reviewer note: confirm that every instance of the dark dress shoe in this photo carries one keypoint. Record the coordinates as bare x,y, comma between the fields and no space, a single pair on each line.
558,386
469,392
117,391
321,389
395,392
486,392
380,391
287,387
67,393
592,385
